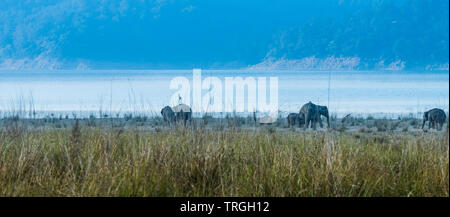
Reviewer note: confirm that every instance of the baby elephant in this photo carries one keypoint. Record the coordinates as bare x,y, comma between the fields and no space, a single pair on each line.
434,116
294,118
168,114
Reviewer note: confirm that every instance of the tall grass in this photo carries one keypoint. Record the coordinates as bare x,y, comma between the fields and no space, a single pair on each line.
99,160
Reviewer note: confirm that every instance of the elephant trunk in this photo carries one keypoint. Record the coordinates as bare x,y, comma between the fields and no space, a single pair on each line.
328,121
425,118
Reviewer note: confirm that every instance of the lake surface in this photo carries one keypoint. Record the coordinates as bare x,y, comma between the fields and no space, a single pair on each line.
387,93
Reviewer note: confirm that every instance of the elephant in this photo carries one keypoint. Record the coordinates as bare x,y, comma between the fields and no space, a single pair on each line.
323,110
168,114
183,113
434,116
294,118
310,113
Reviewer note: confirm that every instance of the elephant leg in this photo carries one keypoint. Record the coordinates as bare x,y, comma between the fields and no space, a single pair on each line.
315,123
310,120
320,122
299,120
307,120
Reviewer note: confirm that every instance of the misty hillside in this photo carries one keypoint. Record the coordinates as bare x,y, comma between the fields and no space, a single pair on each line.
405,34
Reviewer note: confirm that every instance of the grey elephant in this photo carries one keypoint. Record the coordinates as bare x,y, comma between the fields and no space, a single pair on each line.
294,118
183,113
168,114
323,111
434,116
310,113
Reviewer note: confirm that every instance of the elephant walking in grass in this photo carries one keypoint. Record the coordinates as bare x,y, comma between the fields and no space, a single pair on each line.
311,114
323,111
168,115
434,116
294,118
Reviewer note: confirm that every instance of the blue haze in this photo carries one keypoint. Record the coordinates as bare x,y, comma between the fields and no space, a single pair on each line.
381,93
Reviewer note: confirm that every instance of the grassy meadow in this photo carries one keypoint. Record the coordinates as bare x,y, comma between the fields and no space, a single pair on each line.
227,157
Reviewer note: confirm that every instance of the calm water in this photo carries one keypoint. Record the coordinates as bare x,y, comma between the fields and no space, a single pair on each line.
120,91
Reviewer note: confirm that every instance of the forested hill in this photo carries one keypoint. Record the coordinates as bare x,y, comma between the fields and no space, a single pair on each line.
259,34
409,34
